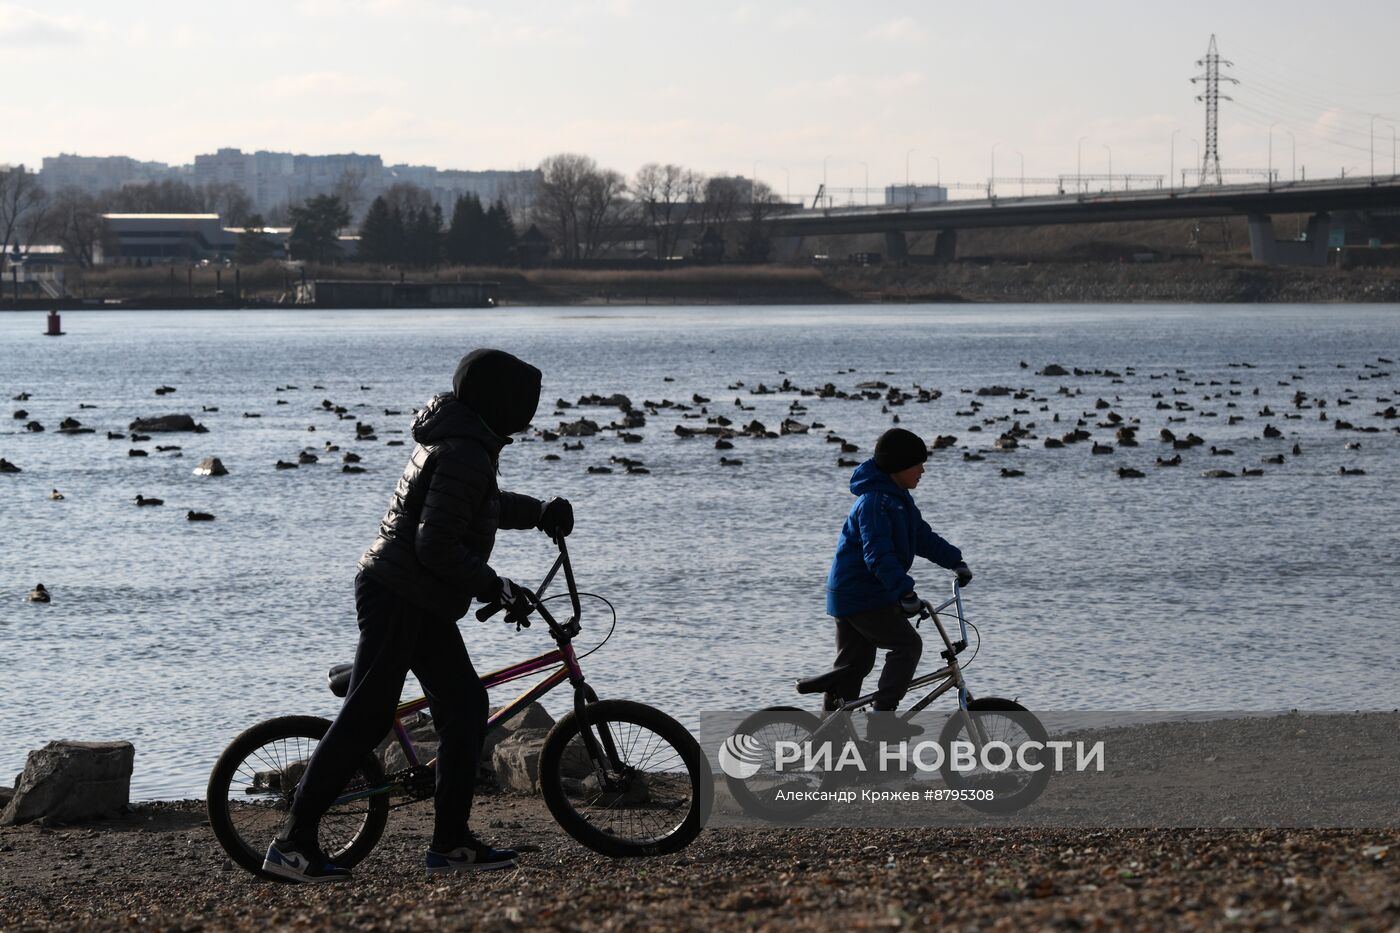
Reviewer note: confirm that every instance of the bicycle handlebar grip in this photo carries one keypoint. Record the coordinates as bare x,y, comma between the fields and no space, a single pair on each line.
487,611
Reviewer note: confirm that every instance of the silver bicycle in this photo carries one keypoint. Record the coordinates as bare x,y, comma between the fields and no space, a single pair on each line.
977,723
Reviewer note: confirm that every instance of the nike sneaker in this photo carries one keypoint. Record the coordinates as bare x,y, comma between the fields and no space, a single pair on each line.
286,860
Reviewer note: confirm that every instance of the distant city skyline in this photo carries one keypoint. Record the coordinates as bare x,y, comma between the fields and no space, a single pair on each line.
275,181
861,95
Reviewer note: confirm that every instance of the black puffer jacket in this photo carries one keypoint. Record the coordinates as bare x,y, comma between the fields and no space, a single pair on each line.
436,538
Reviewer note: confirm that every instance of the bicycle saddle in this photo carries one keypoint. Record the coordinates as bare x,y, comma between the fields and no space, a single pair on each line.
822,682
338,679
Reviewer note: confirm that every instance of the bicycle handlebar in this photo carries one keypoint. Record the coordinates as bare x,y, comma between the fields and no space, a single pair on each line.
567,629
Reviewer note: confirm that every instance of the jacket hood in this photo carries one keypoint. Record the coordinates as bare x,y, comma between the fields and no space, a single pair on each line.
445,417
868,477
504,390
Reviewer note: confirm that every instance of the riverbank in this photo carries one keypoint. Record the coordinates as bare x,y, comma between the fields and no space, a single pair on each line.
1001,281
158,868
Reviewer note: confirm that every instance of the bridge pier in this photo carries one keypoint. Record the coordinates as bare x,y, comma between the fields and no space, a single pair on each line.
896,246
787,249
945,248
1266,248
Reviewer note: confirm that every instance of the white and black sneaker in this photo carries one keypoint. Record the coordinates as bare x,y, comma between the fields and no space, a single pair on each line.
294,863
473,855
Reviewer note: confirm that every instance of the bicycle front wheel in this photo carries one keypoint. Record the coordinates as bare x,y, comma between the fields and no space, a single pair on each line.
1008,722
253,782
643,788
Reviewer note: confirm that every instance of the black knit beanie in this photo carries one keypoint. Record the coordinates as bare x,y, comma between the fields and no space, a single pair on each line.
898,449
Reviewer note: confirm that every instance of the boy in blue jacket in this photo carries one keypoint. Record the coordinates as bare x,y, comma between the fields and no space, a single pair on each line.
869,589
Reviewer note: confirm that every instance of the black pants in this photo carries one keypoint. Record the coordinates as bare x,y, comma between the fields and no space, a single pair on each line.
396,637
859,636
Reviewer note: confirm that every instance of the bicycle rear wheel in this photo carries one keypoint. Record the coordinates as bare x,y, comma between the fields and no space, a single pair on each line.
252,784
649,795
767,791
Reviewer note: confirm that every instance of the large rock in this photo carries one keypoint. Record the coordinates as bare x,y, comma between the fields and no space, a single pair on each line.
211,466
71,781
425,739
166,423
516,760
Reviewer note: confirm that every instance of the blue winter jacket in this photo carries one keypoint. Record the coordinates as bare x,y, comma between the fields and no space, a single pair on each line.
879,541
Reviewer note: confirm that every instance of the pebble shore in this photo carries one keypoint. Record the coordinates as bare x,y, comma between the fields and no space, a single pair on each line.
159,868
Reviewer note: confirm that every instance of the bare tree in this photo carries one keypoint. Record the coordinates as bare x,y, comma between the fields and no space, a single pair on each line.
756,233
606,211
408,198
351,187
228,200
23,207
665,196
559,201
722,202
75,222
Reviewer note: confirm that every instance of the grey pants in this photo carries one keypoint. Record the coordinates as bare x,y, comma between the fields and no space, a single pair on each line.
859,636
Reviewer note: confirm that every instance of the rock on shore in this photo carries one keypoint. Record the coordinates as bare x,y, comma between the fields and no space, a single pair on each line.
71,781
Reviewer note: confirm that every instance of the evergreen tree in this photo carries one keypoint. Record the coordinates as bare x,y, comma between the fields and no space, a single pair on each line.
316,225
466,235
381,234
500,238
423,237
255,244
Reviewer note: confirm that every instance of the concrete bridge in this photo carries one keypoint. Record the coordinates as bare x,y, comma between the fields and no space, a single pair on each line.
1257,202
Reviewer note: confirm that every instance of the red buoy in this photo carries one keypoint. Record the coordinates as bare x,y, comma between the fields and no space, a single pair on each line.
55,327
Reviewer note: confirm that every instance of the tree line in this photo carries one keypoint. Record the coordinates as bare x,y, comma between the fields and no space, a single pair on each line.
584,210
72,218
404,226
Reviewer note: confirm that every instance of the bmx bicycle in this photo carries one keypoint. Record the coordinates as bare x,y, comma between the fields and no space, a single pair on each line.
622,778
774,792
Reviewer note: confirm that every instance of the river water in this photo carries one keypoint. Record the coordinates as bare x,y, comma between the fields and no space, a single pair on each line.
1169,592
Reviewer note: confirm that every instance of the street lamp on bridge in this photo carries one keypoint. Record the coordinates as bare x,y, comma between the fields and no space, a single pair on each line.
1171,172
1110,165
1270,176
1374,116
1079,163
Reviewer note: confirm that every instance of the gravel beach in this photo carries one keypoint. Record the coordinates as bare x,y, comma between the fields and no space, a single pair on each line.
159,868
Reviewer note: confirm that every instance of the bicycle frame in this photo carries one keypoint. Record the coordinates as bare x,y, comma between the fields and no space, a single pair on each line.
568,669
947,677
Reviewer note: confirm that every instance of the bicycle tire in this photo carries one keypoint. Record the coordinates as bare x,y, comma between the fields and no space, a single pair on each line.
246,839
957,780
763,804
565,768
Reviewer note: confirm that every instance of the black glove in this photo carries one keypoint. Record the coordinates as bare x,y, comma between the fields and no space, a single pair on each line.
910,605
517,601
556,518
964,574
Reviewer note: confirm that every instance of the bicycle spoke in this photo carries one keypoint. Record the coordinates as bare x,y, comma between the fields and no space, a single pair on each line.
653,800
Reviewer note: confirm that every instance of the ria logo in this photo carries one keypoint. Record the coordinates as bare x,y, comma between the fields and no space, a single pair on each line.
741,756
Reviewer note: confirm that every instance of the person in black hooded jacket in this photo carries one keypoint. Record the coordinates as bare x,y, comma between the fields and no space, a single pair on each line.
414,582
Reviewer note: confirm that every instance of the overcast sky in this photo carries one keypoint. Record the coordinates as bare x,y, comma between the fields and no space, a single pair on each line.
718,87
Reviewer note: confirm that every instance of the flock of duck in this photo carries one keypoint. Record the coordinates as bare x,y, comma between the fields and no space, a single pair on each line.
1178,398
